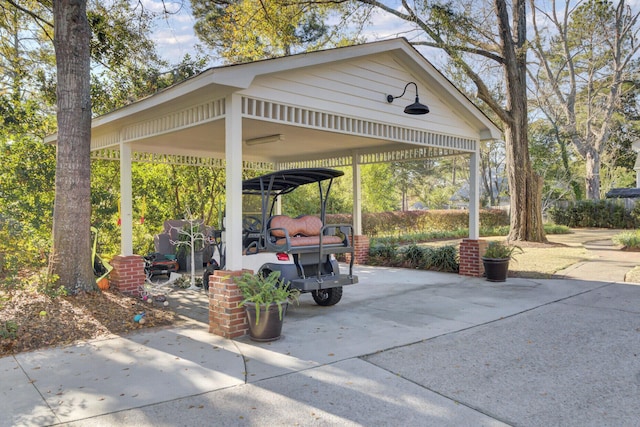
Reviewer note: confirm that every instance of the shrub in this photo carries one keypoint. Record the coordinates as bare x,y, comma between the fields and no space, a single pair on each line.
445,258
595,213
383,254
415,256
417,222
628,239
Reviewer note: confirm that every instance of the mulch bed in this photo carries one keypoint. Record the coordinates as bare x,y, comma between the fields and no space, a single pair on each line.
30,321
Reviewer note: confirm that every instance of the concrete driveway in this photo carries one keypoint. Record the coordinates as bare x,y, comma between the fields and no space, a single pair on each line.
403,347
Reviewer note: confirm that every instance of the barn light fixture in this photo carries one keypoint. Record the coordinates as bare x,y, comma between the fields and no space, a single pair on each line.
416,108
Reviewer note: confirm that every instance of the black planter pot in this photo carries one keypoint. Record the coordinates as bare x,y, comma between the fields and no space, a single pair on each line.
269,327
496,269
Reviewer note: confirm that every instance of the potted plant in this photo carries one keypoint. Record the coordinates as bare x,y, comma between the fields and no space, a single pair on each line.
266,298
496,260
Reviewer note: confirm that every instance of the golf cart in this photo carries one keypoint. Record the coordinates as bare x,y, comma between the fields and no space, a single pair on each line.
302,249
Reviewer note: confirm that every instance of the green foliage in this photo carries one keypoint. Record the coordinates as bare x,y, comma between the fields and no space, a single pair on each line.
9,329
263,290
628,239
553,229
500,250
21,246
378,190
595,213
246,30
415,256
46,284
443,258
383,254
416,222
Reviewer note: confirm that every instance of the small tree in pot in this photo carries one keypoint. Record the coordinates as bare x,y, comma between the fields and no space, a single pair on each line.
496,260
266,298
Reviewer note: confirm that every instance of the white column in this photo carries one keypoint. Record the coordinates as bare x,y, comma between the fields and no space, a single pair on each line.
233,152
357,196
126,201
474,196
278,208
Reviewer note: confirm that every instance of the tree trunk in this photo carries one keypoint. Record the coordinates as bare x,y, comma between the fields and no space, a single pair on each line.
525,189
71,254
592,164
525,186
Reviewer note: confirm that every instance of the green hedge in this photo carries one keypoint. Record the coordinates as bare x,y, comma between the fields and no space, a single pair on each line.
596,213
414,222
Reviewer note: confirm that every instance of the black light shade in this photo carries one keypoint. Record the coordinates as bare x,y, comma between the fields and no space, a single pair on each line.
416,108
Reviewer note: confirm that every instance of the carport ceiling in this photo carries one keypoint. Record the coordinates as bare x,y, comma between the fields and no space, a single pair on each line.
298,143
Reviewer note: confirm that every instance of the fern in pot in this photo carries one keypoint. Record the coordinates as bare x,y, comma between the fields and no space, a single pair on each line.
496,260
265,298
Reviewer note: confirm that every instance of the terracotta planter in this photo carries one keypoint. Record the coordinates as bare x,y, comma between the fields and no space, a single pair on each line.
496,269
269,327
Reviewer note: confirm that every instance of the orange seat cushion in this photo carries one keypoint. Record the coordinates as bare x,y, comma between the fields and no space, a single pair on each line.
306,225
303,231
310,240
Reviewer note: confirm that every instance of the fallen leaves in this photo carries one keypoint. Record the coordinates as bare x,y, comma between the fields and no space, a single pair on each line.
71,319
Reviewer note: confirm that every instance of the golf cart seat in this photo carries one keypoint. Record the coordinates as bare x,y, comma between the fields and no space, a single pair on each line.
307,234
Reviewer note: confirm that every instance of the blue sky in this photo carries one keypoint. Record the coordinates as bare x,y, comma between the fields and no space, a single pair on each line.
175,36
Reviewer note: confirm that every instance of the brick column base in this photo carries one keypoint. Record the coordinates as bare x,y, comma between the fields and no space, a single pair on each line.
128,274
225,317
361,250
471,251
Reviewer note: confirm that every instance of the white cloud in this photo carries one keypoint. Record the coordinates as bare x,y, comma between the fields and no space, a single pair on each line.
173,32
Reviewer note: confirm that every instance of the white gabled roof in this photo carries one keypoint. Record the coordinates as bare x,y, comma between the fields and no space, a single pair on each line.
326,103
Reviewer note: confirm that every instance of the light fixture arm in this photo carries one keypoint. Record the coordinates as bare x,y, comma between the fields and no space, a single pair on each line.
390,98
414,109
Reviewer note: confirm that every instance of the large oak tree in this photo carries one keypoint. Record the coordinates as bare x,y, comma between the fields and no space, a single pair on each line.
71,254
583,71
473,33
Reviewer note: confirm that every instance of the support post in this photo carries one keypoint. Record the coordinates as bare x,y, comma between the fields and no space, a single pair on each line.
233,153
471,251
226,319
126,201
128,274
474,196
361,250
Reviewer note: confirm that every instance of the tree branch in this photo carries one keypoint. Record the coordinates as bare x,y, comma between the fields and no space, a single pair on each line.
35,16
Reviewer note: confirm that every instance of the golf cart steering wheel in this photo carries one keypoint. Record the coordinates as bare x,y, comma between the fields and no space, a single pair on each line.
251,224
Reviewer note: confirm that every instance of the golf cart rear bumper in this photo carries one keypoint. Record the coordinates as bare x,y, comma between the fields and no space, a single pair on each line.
325,282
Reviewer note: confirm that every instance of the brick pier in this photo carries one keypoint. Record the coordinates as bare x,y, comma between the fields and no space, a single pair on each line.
471,251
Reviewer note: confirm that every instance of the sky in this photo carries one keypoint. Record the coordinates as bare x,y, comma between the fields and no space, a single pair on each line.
175,36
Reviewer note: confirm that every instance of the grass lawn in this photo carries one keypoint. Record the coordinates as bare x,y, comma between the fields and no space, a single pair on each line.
544,262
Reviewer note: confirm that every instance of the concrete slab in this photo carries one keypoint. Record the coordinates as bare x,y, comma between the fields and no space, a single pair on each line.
383,314
348,393
575,363
20,402
122,373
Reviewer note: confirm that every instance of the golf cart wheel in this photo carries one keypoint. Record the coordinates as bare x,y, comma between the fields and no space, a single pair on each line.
327,297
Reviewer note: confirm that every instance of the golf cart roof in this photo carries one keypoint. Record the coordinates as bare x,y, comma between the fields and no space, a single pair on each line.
285,181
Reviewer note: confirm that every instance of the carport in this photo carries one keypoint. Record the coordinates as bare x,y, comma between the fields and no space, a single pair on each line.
321,109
